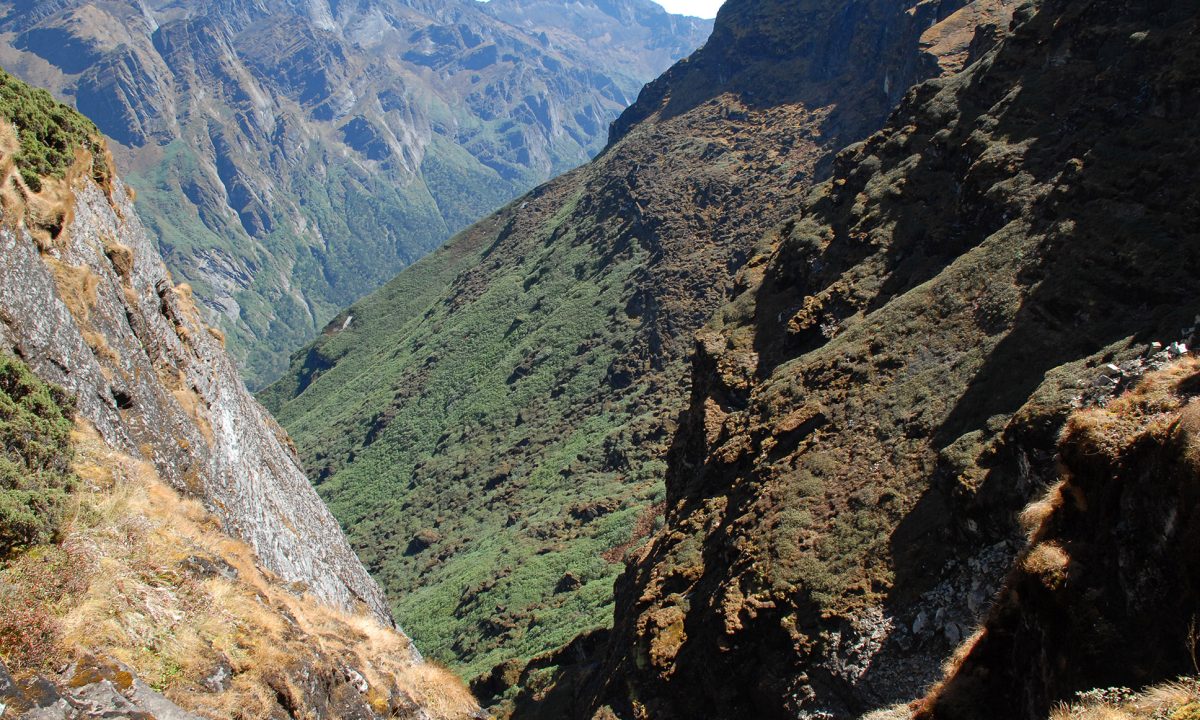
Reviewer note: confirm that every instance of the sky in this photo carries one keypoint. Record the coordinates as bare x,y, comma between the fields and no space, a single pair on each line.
698,8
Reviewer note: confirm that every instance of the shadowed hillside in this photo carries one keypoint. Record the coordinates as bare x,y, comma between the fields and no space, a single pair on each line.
871,414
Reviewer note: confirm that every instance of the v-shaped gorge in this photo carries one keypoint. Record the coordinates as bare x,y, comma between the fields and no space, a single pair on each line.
492,426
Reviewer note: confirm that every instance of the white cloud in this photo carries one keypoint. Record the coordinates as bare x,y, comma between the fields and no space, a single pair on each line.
697,8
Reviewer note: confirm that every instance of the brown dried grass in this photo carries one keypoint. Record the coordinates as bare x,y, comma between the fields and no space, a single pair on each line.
1174,700
1048,562
1034,516
77,287
142,606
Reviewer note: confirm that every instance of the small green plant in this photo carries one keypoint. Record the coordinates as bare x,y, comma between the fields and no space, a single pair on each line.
35,462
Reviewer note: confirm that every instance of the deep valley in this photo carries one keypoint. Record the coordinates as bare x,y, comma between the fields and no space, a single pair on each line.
852,378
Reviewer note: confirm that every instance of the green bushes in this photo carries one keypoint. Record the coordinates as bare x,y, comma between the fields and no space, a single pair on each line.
49,132
35,464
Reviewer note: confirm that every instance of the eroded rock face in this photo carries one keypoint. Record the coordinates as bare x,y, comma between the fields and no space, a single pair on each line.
90,306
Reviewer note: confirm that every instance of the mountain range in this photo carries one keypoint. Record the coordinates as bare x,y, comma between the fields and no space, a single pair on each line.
292,156
505,407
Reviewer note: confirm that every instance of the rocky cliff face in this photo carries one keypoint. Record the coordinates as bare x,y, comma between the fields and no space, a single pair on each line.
88,304
292,157
871,413
492,424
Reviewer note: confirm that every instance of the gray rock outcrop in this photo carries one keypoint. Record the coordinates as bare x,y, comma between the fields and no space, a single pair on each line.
88,303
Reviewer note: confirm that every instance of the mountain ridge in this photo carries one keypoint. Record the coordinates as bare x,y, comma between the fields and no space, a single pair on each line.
319,148
869,418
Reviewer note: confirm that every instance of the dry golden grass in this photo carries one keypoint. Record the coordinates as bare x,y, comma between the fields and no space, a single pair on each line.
1148,408
183,292
438,690
963,650
183,312
11,199
217,334
1178,700
189,400
102,350
77,286
144,603
896,712
1035,514
121,257
48,213
923,707
1048,562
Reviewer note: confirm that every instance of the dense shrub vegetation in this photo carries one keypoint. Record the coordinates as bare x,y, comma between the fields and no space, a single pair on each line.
49,131
35,466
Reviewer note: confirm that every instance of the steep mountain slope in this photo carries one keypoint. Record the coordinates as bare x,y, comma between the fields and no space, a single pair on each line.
161,553
87,303
872,412
292,156
490,426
